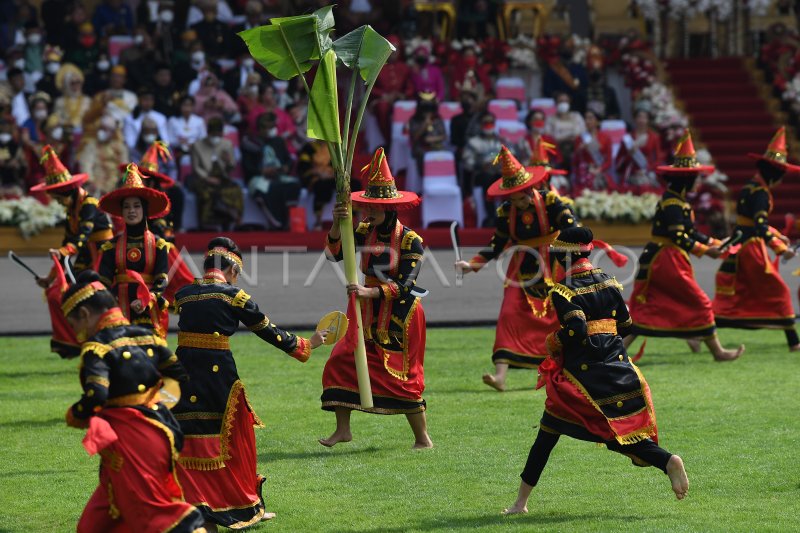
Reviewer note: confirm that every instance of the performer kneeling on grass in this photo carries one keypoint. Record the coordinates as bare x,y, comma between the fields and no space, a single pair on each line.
529,219
137,437
666,299
594,392
219,460
392,315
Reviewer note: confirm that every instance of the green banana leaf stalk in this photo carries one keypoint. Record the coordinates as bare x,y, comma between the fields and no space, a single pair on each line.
290,46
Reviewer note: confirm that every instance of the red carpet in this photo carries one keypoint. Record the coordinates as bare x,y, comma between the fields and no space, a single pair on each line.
725,108
276,241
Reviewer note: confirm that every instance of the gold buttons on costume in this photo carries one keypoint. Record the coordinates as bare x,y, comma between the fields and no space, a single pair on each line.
619,404
193,398
90,393
621,357
216,333
80,408
569,221
614,312
141,387
215,368
413,263
126,355
150,352
571,333
279,338
400,276
584,366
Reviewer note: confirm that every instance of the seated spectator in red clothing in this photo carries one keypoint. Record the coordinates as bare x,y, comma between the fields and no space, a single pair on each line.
393,84
39,104
535,122
211,101
591,159
13,165
248,95
470,72
269,103
639,155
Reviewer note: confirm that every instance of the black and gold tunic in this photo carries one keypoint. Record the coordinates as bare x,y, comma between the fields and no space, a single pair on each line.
86,228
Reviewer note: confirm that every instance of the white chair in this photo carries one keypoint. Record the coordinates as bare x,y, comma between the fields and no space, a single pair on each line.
400,150
190,220
547,105
503,109
442,195
511,132
615,130
253,215
480,206
510,89
447,110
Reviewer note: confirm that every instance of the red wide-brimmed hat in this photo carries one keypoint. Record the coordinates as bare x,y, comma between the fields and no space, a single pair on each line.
381,191
148,165
777,152
514,177
541,157
57,179
157,202
685,159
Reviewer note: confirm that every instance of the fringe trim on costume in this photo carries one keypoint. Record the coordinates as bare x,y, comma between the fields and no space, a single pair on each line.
564,291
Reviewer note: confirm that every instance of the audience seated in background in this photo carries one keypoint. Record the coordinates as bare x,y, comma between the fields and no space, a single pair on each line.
565,126
100,152
639,154
591,159
426,130
479,168
13,166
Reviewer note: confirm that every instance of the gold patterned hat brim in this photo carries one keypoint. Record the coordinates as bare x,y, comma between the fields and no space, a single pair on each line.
405,200
787,167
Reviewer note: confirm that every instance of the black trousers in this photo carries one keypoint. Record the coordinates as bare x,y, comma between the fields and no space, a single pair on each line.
791,337
643,453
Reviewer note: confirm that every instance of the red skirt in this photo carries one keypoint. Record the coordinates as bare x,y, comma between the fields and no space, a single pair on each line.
754,295
218,472
670,303
522,327
179,274
138,489
397,378
570,406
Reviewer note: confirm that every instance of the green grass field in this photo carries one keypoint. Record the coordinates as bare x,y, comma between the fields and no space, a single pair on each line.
735,425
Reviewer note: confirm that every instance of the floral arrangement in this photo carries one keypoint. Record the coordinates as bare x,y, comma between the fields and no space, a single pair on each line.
30,215
660,101
688,8
616,206
522,53
791,93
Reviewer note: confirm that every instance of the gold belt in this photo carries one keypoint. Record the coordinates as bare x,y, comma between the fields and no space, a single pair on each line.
744,221
210,341
663,241
149,398
539,241
101,235
604,325
123,278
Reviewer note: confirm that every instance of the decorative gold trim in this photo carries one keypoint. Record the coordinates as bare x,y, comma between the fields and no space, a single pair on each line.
264,323
208,341
208,296
577,313
240,299
81,295
602,326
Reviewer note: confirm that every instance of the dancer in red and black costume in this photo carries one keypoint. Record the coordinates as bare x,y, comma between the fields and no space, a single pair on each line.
666,299
750,291
391,311
219,459
134,264
528,220
594,392
137,437
87,228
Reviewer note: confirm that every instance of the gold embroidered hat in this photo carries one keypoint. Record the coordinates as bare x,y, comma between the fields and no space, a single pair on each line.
685,159
777,152
148,165
381,191
514,177
57,179
158,203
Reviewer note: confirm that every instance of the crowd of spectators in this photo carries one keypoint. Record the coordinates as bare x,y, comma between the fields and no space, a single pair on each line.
101,81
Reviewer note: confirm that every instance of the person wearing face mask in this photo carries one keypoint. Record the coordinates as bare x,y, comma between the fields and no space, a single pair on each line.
186,128
426,129
565,126
666,299
600,98
99,79
470,72
564,75
141,60
32,129
529,219
16,88
268,103
211,101
236,79
216,36
116,101
55,135
100,151
426,77
750,292
144,111
393,84
85,54
639,154
73,104
13,166
467,123
591,158
535,122
478,159
33,54
220,200
52,63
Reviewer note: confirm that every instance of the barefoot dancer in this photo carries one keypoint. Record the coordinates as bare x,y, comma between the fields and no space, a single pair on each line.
750,290
528,219
136,436
219,459
594,392
394,322
666,299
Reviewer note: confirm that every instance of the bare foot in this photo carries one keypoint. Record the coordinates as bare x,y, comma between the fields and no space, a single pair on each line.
336,437
677,476
268,516
694,345
421,445
795,348
490,380
515,509
729,355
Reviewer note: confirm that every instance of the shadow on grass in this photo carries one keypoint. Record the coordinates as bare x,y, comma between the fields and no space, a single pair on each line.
322,452
471,522
38,373
35,473
33,423
485,390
